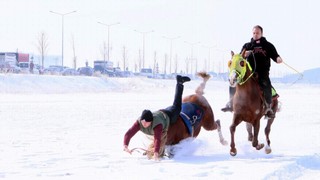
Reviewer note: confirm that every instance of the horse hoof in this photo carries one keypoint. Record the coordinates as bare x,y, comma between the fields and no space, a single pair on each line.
259,146
233,152
268,150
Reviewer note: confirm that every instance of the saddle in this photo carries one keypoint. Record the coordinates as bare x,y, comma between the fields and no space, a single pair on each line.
192,115
274,94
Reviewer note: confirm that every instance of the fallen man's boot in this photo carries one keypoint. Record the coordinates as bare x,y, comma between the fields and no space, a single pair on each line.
182,79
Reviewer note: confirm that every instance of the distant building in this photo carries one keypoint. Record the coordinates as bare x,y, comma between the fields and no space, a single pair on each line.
13,58
49,60
10,61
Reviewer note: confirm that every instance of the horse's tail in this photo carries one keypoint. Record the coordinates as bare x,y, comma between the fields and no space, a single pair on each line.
205,76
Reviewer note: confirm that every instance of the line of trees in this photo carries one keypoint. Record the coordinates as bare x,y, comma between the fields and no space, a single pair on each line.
42,46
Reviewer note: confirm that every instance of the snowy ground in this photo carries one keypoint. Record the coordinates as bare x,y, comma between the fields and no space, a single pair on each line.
55,127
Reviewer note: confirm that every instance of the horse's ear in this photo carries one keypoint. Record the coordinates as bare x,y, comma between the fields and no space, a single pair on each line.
243,53
232,53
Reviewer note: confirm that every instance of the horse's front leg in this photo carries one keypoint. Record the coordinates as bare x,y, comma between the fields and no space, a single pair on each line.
255,142
249,130
233,150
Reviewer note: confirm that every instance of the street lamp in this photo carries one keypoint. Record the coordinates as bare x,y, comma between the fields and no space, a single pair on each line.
171,39
209,57
62,16
108,25
143,43
192,44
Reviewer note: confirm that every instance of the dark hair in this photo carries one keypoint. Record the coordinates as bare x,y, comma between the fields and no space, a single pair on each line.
259,27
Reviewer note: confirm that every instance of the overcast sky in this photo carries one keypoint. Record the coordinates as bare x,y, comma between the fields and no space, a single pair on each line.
225,25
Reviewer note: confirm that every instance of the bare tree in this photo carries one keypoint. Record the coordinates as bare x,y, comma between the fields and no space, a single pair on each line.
42,46
140,60
196,65
176,64
187,61
135,67
155,68
74,53
165,64
104,50
124,57
206,65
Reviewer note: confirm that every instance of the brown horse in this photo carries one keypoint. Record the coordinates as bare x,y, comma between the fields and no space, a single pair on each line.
179,131
248,102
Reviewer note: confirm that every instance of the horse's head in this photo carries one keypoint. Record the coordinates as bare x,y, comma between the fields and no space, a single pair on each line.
238,68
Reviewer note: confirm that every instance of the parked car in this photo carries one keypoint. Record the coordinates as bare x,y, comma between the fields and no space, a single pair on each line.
87,71
54,70
104,67
117,72
12,68
128,74
124,74
24,66
146,72
70,72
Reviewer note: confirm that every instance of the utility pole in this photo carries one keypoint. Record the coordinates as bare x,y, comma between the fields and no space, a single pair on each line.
170,55
209,56
108,27
62,16
192,59
143,43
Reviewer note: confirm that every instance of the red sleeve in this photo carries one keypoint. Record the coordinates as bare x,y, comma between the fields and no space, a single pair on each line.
130,133
157,137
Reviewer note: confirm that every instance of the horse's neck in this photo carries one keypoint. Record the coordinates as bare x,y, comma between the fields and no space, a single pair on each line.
249,82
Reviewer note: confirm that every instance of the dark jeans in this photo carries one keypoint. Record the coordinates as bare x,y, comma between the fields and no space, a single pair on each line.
265,84
174,111
232,91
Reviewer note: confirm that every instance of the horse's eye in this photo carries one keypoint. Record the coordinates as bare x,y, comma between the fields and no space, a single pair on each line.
229,63
242,63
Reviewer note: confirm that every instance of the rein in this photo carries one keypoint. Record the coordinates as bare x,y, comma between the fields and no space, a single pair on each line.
145,151
242,82
138,148
250,68
300,74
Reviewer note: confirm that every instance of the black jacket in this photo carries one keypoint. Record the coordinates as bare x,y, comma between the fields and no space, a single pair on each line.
262,52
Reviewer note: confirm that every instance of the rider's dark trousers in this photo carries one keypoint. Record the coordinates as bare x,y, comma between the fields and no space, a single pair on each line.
265,84
174,111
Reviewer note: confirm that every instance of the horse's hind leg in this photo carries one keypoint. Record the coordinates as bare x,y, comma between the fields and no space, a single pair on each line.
222,140
249,129
268,127
267,132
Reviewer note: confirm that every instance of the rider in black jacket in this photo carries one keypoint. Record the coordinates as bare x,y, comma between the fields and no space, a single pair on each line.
259,52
